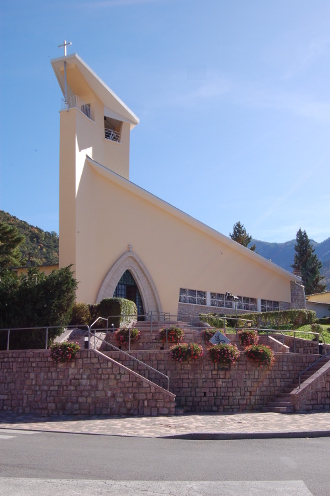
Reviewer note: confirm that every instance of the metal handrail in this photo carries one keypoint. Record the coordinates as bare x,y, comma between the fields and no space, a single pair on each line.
74,101
112,135
312,365
46,328
137,360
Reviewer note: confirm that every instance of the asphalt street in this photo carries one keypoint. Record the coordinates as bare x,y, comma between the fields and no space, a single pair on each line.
71,464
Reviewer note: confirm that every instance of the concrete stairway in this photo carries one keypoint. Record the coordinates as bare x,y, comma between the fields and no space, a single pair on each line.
281,403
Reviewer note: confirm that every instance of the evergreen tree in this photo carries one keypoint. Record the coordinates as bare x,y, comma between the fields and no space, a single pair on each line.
306,261
240,235
10,239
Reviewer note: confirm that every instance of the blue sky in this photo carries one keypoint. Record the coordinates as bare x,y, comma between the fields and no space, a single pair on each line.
233,99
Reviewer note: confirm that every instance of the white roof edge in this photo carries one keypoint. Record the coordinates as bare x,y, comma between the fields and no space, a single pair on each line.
125,183
130,116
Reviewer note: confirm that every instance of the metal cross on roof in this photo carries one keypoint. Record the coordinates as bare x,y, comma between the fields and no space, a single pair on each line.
64,45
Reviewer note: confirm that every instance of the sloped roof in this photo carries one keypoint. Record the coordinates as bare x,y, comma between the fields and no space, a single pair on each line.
104,93
142,193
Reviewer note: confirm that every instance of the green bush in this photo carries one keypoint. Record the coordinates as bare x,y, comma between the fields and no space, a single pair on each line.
296,318
324,321
80,314
35,300
118,310
64,352
122,335
260,355
174,334
224,354
213,319
184,351
248,337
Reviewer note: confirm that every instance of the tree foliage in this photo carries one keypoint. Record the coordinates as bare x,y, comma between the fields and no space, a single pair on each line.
10,240
240,235
35,300
40,247
306,261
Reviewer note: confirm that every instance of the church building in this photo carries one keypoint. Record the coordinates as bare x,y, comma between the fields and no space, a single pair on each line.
123,241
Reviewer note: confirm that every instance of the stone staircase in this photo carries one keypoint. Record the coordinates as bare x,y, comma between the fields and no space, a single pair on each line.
281,403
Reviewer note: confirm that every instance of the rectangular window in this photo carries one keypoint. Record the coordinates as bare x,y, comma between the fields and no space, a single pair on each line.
192,296
246,303
219,300
270,306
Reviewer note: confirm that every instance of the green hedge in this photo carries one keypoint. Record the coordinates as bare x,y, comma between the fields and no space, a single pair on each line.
293,318
324,320
117,309
213,319
283,319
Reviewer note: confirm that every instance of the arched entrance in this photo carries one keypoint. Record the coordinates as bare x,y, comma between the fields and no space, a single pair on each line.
127,288
143,280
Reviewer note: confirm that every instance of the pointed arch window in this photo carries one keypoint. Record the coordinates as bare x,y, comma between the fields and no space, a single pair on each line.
127,288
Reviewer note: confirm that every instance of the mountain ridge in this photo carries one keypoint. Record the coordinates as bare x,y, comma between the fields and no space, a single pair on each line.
282,254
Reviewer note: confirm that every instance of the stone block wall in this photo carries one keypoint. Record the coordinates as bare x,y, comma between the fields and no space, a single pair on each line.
30,382
298,299
314,393
202,386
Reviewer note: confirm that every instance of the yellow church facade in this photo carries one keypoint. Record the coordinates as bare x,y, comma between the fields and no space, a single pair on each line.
123,241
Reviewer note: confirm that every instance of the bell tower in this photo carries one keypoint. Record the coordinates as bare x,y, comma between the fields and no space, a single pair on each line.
94,123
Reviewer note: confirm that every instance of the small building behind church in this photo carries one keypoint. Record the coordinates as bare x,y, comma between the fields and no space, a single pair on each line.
123,241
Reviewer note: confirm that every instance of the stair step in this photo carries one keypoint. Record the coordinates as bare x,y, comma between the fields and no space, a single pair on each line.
279,409
278,404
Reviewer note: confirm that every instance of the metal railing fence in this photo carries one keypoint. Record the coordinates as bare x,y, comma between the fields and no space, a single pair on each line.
74,101
134,359
312,365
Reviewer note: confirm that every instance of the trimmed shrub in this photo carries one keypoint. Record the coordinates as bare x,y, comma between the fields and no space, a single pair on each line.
80,314
64,352
213,319
296,318
118,310
324,320
224,354
184,351
174,334
260,355
122,335
248,337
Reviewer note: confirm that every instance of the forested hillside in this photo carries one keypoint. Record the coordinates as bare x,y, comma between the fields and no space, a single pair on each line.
282,254
41,247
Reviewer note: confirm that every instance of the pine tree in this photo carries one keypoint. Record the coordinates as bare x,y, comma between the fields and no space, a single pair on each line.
240,235
306,261
10,239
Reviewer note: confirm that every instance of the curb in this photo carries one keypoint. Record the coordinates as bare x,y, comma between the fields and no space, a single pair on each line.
195,436
223,436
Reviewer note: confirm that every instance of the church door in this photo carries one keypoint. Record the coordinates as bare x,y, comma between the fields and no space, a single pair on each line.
127,288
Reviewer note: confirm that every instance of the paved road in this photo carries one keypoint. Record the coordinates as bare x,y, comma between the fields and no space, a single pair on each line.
72,464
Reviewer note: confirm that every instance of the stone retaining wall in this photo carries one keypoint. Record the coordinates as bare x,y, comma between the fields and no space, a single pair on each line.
202,386
30,382
314,393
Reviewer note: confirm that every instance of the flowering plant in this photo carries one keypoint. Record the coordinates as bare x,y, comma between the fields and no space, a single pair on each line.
247,337
261,355
174,334
64,352
224,354
209,333
184,351
122,335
